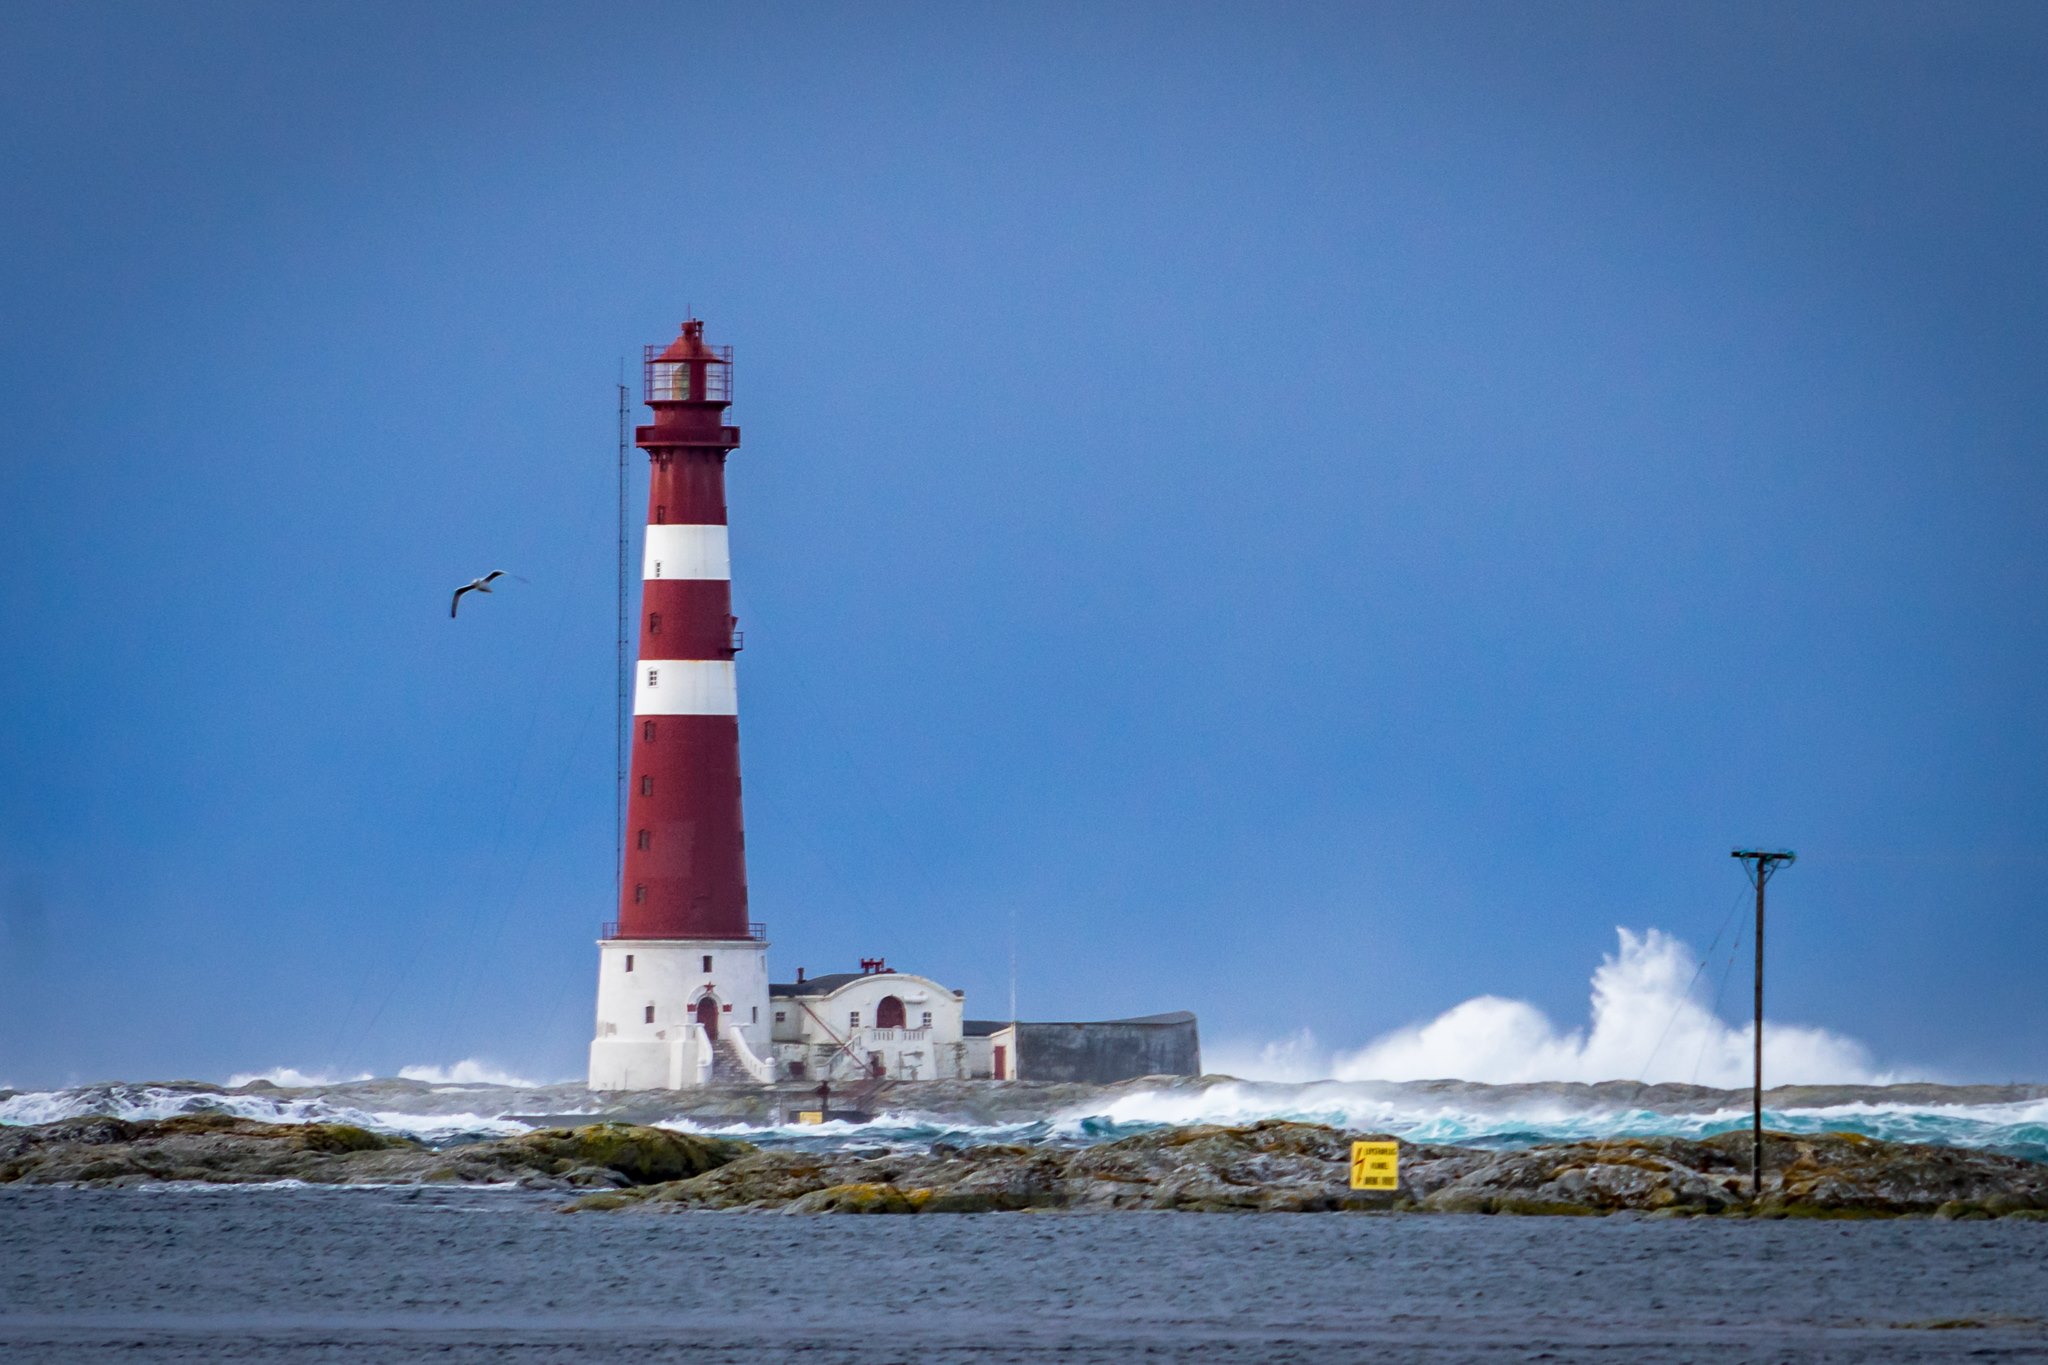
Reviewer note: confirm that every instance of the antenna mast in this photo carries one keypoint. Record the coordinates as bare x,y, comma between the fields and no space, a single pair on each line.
621,665
1766,862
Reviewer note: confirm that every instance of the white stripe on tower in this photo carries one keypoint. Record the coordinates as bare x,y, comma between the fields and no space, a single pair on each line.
686,687
686,552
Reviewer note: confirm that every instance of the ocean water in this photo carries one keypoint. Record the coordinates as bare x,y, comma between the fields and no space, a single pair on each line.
451,1275
458,1113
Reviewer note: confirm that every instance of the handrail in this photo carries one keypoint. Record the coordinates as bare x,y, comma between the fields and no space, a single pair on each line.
844,1046
702,1049
757,930
763,1072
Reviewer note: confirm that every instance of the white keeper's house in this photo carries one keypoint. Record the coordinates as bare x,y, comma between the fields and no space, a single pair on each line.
874,1022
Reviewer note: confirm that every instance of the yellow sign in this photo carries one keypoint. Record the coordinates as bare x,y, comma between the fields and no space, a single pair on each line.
1375,1165
809,1116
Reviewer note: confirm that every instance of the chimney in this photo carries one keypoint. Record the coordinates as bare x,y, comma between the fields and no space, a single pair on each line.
799,976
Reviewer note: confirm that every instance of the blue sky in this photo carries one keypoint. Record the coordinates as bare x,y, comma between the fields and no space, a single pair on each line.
1309,513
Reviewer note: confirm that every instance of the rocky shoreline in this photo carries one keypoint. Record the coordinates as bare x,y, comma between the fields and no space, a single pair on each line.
1271,1166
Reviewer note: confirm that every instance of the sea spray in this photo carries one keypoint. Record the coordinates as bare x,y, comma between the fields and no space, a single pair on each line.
1649,1019
1648,1022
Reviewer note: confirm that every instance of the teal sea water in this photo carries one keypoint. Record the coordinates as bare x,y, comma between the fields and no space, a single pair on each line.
468,1113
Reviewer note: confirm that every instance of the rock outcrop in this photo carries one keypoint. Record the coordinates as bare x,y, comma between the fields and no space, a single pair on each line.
1274,1166
217,1149
1299,1167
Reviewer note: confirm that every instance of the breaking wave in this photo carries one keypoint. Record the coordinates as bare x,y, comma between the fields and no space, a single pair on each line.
146,1101
2018,1129
1648,1022
469,1071
293,1078
1473,1118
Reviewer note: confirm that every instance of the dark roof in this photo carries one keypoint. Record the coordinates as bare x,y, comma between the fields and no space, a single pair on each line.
817,985
982,1028
825,985
1176,1017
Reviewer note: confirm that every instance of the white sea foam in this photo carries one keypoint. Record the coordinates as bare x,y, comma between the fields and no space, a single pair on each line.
163,1102
469,1071
1298,1057
2021,1125
293,1078
1649,1021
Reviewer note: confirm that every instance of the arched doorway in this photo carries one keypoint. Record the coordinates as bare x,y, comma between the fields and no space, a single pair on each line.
707,1015
889,1014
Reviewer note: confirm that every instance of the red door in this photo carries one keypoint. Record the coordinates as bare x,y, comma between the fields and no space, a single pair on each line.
889,1014
1002,1060
707,1015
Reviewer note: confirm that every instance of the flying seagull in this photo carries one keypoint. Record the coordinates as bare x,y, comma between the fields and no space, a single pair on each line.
474,585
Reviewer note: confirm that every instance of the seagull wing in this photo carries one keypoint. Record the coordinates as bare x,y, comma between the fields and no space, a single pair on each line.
495,573
456,600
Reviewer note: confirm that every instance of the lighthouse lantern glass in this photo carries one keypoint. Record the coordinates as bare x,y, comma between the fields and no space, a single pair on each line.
668,380
718,378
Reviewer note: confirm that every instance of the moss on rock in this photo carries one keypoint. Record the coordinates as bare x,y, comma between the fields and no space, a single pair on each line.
863,1198
640,1154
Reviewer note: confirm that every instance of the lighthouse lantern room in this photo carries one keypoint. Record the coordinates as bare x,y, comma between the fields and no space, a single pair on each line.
682,994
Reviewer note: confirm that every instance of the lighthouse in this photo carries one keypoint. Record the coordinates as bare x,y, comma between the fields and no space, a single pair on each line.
683,995
682,992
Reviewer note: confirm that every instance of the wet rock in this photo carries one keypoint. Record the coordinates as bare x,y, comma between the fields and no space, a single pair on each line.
859,1198
1273,1166
639,1155
219,1149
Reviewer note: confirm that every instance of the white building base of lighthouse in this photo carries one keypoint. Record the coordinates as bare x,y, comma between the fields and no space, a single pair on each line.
655,1030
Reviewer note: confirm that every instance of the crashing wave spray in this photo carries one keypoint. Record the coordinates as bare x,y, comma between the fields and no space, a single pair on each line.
1647,1023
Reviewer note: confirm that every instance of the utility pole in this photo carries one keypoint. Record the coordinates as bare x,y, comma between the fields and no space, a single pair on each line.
1766,862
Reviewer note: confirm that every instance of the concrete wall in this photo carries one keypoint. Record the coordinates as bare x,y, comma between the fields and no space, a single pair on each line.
1111,1050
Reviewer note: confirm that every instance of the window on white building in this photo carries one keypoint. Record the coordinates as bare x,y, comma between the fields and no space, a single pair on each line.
629,962
707,962
853,1019
927,1018
781,1016
650,1014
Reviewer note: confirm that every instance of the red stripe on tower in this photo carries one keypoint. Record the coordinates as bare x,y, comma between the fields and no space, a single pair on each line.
685,866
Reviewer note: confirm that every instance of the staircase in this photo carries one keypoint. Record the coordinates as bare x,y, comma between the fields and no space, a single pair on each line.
726,1066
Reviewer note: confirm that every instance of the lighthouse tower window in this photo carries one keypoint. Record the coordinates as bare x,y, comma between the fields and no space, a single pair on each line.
654,623
650,1014
629,962
647,731
647,785
707,962
646,839
640,894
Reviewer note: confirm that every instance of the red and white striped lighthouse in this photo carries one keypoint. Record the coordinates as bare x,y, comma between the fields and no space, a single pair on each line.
682,977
